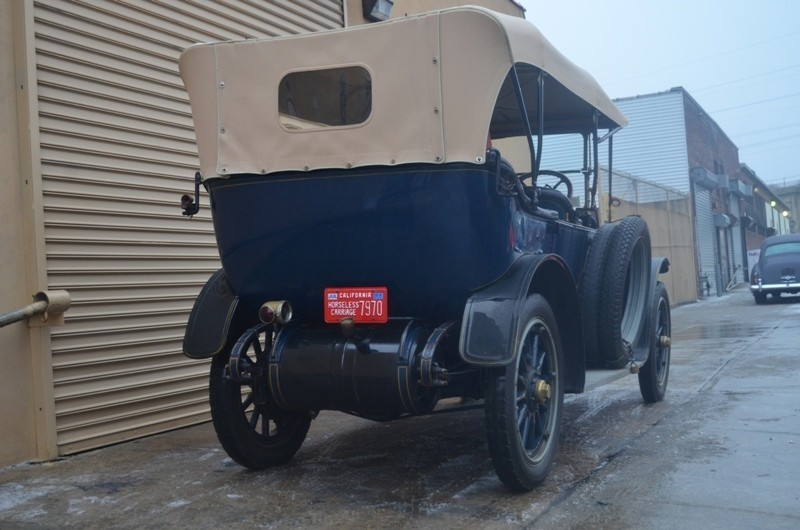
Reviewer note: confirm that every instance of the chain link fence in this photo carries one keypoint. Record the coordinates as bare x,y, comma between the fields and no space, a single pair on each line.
668,214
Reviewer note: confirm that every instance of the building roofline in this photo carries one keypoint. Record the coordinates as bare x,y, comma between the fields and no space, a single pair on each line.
650,95
686,95
761,185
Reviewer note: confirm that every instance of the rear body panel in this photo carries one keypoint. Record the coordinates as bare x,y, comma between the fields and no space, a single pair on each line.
430,234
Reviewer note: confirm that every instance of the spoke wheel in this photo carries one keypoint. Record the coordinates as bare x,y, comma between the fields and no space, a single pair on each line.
654,374
524,400
252,429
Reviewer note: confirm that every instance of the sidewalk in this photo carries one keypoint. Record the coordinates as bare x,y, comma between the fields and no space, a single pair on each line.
728,455
722,451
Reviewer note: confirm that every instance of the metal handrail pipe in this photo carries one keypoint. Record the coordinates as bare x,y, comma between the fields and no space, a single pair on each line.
44,303
28,311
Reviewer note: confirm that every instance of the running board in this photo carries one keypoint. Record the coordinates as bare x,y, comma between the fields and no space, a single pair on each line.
596,378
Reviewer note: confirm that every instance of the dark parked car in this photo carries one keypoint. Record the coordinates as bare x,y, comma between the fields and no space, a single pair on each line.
777,269
381,257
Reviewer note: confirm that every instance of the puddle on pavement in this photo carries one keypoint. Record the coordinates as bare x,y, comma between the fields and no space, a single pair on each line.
723,331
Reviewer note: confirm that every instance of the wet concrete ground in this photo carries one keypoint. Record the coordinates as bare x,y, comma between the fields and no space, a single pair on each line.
722,451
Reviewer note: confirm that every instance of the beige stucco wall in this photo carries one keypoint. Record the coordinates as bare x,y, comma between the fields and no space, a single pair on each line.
411,7
354,13
17,414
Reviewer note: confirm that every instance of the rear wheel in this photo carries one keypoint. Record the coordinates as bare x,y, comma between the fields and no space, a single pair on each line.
523,401
252,429
761,298
654,374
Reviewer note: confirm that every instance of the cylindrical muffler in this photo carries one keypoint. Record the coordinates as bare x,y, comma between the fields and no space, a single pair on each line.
319,369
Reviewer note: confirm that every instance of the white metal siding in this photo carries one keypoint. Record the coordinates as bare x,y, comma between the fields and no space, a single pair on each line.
118,151
706,237
653,145
564,152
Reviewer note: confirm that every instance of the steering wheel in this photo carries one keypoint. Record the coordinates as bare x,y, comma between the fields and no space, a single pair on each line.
562,178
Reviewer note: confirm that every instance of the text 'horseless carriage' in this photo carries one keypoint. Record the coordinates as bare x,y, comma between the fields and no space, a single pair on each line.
381,256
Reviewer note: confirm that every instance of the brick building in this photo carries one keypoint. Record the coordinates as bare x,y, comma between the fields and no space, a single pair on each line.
673,141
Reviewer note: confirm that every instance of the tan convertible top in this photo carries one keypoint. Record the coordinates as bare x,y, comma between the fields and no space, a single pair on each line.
438,83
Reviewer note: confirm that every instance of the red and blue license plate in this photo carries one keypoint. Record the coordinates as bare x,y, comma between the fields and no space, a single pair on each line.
365,305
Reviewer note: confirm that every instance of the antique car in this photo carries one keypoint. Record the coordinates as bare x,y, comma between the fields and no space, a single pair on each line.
778,268
390,245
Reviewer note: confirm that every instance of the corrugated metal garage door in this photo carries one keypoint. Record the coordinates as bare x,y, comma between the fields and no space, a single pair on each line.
117,148
706,236
742,274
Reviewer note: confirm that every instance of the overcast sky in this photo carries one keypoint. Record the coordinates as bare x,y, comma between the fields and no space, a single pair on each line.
739,59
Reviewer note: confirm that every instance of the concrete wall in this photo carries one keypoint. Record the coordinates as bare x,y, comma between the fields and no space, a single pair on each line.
17,414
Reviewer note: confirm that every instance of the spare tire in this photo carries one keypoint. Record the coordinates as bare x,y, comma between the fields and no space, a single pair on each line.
590,284
623,290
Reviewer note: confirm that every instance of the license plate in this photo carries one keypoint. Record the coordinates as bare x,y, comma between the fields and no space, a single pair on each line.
365,305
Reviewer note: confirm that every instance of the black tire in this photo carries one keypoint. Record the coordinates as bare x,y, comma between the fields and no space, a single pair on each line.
761,298
591,282
524,400
654,374
623,291
255,432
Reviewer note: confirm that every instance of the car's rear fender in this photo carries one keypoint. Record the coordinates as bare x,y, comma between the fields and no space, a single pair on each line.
490,328
643,346
215,320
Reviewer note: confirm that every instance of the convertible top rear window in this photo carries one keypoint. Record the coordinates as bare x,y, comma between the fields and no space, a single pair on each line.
318,99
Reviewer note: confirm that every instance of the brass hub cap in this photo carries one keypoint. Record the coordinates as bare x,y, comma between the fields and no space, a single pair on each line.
542,391
538,392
